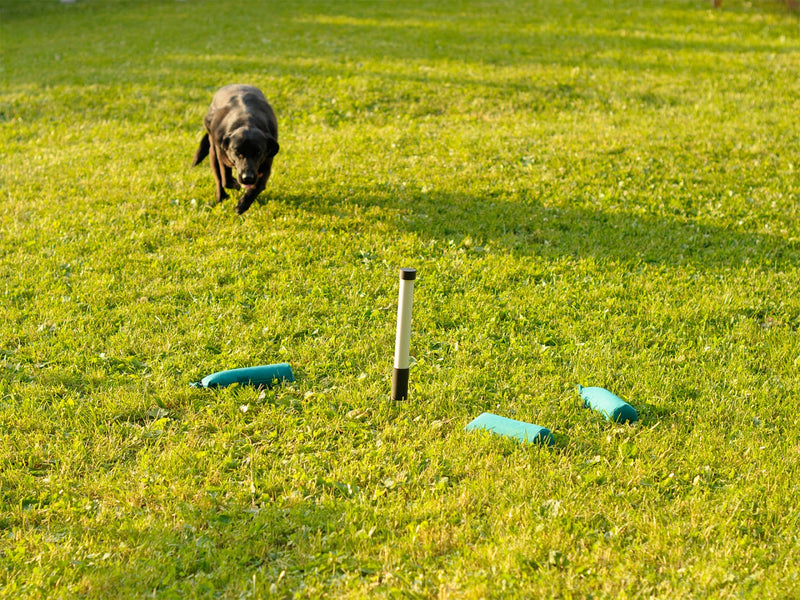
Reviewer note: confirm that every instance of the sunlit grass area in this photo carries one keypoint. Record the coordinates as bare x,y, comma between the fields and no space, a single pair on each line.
600,193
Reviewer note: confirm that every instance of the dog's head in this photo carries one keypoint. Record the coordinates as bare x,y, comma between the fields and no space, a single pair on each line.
250,151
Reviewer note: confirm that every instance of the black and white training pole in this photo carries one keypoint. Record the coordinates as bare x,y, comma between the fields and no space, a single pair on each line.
403,339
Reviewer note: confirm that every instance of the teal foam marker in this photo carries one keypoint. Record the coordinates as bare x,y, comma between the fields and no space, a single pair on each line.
519,430
611,406
266,375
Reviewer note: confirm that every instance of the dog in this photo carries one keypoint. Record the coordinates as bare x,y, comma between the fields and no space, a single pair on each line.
241,134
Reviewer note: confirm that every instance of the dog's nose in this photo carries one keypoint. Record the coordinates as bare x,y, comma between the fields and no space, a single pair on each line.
248,178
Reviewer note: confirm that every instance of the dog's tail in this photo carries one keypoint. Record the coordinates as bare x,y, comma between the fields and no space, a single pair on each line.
202,151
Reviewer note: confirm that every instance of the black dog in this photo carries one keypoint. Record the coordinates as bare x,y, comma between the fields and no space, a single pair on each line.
242,133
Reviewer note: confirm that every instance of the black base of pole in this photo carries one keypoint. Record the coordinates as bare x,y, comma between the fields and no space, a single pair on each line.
400,384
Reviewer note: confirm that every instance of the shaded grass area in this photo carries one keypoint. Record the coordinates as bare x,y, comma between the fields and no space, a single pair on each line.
598,193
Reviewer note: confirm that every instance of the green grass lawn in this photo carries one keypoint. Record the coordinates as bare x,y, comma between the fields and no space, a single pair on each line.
598,193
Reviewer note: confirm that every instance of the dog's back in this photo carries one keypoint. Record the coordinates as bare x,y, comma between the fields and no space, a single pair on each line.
240,105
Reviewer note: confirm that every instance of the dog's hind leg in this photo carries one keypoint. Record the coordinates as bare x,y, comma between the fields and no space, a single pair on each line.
217,168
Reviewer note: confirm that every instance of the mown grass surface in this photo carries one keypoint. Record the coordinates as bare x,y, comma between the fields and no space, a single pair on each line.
600,193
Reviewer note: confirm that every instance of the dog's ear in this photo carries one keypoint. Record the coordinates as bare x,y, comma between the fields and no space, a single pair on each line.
272,146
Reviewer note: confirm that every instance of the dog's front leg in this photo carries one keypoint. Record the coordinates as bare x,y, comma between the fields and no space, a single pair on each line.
216,168
250,195
228,180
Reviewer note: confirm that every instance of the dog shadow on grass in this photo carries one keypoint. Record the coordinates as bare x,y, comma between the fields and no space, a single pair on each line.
529,228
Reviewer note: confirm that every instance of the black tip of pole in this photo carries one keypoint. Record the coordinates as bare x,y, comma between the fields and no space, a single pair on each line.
400,384
408,274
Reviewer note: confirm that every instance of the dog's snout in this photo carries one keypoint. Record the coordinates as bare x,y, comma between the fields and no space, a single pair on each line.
248,178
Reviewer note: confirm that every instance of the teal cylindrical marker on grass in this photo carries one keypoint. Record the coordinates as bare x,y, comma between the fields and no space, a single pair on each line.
519,430
266,375
609,405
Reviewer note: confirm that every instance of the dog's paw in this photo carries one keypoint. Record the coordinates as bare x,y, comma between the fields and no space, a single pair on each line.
243,205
